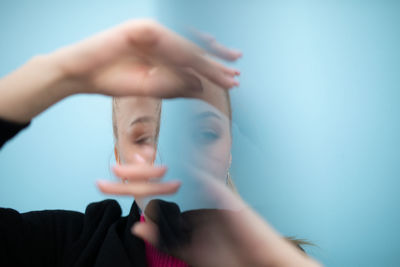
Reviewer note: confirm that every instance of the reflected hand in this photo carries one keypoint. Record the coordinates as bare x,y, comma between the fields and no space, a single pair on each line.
138,181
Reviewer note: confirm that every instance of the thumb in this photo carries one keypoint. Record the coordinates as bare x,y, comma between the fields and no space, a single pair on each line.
147,231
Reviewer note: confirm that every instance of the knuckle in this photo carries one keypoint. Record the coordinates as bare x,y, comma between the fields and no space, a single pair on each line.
145,32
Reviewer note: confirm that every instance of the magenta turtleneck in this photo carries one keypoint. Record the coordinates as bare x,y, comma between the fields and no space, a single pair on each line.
156,258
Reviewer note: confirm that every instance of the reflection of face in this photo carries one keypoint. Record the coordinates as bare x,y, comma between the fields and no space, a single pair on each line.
214,130
137,120
206,140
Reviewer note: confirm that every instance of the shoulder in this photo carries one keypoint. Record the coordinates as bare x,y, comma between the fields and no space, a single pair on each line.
102,213
107,206
9,129
66,236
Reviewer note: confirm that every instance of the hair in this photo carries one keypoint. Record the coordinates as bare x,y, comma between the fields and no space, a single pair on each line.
114,118
229,181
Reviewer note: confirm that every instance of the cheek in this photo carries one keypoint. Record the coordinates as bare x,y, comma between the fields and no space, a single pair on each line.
131,153
221,150
223,153
216,158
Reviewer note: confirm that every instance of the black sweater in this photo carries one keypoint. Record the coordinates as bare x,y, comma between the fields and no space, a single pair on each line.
99,237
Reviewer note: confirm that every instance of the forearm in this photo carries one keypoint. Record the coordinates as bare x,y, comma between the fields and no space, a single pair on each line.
33,88
283,255
270,249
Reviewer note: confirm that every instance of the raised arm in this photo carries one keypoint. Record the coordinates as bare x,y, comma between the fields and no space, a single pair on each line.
139,57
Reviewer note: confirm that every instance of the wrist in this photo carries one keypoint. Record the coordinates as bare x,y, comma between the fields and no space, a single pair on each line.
31,89
61,82
280,253
289,260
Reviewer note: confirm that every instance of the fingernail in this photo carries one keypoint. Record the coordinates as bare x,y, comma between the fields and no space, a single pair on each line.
102,182
163,167
233,83
177,182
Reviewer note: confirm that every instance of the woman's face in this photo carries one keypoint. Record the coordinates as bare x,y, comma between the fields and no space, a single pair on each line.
210,131
137,121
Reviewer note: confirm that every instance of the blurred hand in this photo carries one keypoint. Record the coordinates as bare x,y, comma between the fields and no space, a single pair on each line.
139,180
137,58
232,234
141,58
211,45
217,237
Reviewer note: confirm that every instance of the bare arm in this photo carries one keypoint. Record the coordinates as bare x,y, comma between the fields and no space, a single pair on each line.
31,89
139,57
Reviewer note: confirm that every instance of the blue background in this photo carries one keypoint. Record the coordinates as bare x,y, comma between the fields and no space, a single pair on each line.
316,119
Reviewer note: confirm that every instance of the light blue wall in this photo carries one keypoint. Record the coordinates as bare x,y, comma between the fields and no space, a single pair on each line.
316,136
317,146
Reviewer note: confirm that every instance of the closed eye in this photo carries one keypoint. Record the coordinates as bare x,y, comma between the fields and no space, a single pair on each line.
205,137
144,140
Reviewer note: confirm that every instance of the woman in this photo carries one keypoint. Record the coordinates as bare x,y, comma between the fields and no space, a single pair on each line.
136,126
134,59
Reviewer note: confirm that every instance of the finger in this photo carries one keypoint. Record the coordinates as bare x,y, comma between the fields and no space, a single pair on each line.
155,81
221,51
139,189
215,72
147,231
139,172
213,47
173,81
170,48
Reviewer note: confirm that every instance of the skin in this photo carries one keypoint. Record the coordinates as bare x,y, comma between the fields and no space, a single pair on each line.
138,58
137,120
214,131
216,232
135,58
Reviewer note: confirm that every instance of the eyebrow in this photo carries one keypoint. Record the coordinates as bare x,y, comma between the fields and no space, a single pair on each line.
143,119
207,114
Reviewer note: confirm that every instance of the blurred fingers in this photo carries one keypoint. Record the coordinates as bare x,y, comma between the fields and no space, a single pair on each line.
170,48
139,189
139,172
214,47
147,231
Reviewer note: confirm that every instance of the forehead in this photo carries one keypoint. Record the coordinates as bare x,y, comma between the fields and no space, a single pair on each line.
137,106
129,109
215,96
132,107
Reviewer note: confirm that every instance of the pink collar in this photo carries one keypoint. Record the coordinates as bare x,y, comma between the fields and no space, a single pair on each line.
156,258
